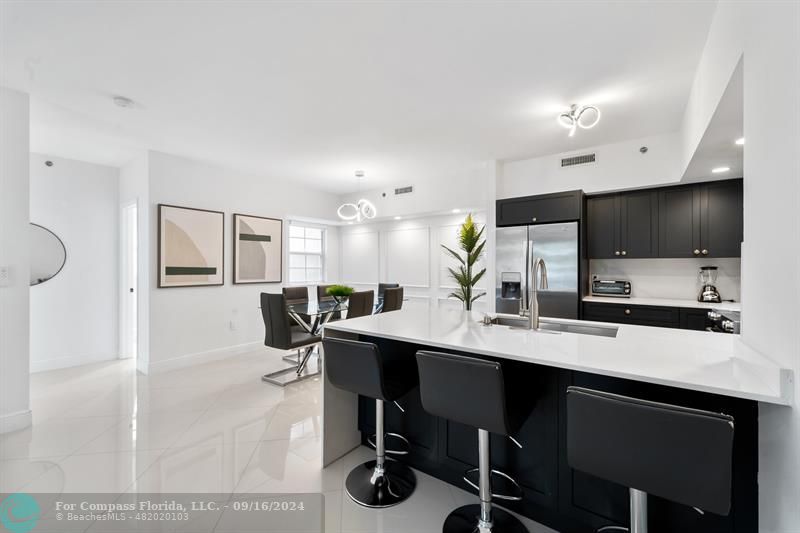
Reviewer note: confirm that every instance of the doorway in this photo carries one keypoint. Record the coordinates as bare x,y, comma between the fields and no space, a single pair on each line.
128,311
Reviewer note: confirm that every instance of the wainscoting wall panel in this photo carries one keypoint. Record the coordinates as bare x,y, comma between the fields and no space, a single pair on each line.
408,252
405,264
360,260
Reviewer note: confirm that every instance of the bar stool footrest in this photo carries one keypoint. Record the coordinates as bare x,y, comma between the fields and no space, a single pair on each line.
403,440
465,520
515,496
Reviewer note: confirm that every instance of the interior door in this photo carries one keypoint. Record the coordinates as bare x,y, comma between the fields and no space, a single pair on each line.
128,279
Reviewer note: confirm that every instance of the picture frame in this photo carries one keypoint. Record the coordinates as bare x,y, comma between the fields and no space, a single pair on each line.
257,249
191,247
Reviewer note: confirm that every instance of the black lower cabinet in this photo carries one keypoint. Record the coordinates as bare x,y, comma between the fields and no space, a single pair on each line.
696,319
647,315
554,494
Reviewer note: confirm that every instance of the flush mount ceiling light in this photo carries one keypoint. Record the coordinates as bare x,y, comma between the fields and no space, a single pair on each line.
740,141
361,210
586,117
720,170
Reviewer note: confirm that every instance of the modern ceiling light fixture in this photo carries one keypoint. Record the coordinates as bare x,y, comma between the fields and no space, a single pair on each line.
361,210
586,117
740,141
720,170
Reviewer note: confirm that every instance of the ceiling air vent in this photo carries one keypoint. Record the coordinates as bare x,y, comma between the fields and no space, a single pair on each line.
577,160
403,190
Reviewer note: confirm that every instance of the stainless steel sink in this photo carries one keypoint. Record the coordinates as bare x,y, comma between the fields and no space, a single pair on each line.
557,327
600,331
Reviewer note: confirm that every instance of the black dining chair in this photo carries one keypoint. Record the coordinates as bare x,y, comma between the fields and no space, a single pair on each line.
297,295
360,304
392,300
280,335
323,296
383,286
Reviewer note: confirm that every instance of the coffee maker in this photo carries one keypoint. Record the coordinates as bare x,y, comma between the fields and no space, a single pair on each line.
708,291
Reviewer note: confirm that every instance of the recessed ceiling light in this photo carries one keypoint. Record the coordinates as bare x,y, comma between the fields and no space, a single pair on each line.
456,210
720,170
740,141
121,101
398,218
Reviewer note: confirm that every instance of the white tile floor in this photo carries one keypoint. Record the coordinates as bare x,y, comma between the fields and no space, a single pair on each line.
213,428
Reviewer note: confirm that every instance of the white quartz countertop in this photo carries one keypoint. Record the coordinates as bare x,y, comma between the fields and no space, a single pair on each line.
696,360
665,302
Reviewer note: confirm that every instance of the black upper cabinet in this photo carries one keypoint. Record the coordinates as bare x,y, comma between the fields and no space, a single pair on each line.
721,219
543,208
623,225
601,227
638,227
703,220
679,221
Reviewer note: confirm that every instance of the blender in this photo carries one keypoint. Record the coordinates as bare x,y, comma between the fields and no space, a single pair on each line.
708,291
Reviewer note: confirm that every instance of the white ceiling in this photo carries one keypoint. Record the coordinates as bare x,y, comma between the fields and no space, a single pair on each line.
313,91
718,146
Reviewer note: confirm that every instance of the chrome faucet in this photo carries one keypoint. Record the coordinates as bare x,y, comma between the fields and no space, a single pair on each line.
538,270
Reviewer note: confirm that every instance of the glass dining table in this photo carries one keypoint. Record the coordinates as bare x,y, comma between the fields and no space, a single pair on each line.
312,316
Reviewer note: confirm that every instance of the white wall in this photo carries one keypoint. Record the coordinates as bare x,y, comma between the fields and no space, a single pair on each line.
407,252
670,278
74,315
460,190
766,35
14,295
618,166
194,323
134,187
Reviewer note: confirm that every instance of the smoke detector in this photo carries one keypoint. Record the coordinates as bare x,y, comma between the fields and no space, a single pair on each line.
121,101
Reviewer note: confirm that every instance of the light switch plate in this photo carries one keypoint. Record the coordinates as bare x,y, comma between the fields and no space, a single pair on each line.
4,276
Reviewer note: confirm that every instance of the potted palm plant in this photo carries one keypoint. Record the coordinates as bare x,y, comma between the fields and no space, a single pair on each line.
471,243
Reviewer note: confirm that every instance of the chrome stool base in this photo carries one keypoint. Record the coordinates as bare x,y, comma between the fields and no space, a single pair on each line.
367,487
465,520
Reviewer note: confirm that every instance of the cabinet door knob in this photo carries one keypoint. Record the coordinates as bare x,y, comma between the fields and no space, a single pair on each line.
616,253
624,252
696,252
627,311
705,252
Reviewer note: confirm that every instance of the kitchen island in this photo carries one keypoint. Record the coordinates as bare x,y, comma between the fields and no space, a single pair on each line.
695,369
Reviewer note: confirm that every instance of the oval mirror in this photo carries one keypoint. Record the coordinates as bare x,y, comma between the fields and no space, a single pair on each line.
48,254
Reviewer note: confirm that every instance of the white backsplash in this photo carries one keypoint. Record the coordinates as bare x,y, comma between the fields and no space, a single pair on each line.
670,278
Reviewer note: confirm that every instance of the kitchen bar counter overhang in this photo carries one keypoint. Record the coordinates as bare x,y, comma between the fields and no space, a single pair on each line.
695,360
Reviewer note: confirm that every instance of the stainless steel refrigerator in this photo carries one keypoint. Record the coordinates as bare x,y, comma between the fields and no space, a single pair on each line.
517,248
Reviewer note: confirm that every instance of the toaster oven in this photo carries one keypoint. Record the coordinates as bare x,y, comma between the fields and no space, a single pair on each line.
614,288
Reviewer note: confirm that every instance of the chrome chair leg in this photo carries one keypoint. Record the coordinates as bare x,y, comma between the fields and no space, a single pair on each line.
638,510
483,517
381,482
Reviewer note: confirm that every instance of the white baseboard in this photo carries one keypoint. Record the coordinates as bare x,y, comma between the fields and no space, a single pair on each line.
15,421
56,363
184,361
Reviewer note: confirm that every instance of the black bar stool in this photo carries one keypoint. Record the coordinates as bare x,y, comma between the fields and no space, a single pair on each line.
472,391
359,367
677,453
